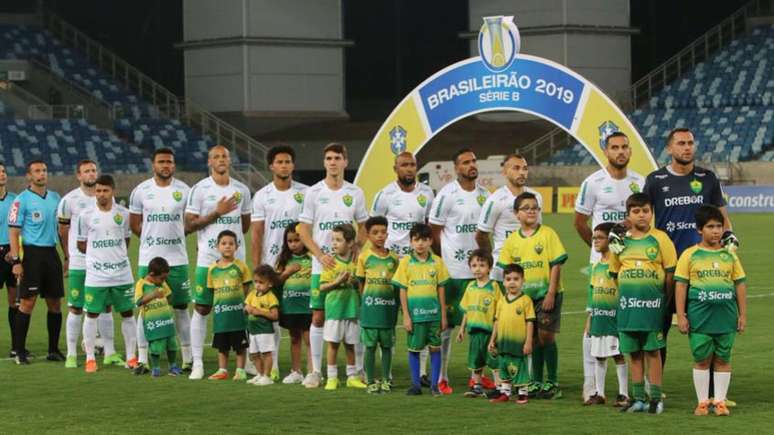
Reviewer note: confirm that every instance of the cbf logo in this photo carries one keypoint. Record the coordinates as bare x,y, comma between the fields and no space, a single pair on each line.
606,129
498,42
398,140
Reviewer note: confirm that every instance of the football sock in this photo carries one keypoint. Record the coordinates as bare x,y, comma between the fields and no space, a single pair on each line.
54,326
386,364
198,332
623,379
424,355
89,336
359,349
275,354
551,357
129,331
600,371
638,391
352,370
446,343
105,327
655,392
183,324
537,364
333,371
722,380
316,342
435,369
172,358
22,326
12,311
589,367
73,332
505,388
369,361
142,343
155,361
413,361
701,384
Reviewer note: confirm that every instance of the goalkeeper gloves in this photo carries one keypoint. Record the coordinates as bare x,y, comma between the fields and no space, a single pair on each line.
729,241
616,238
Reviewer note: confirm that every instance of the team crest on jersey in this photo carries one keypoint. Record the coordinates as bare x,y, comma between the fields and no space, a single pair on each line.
487,301
538,248
715,265
299,197
398,139
481,199
232,272
177,195
696,186
606,129
347,200
652,253
118,219
518,311
634,187
725,256
421,200
238,197
431,273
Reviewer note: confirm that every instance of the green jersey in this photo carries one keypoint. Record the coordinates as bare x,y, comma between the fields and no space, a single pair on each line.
158,321
711,276
342,302
603,300
380,301
227,286
295,291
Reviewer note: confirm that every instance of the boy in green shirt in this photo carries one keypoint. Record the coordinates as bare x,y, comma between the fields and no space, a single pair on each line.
379,308
710,296
152,295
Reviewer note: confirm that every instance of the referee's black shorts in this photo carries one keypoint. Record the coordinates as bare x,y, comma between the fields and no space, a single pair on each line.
7,279
42,273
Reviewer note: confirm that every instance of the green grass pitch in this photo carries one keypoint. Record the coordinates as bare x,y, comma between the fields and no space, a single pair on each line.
46,398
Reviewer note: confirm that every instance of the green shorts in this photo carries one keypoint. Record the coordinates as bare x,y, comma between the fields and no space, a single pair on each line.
371,337
549,320
316,297
424,334
478,354
201,294
453,290
513,369
178,280
162,346
98,298
635,341
75,288
704,346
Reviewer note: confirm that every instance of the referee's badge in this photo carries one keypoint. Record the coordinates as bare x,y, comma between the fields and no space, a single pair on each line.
696,186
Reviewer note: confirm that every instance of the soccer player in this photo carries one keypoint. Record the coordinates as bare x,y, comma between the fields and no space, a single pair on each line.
403,202
275,206
331,202
421,277
215,204
7,279
72,205
540,253
229,281
478,304
379,303
103,235
33,217
497,218
152,295
262,308
453,218
342,306
156,210
600,323
644,265
677,191
512,335
603,198
710,294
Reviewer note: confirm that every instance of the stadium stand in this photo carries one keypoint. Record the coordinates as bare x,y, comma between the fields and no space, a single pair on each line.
728,101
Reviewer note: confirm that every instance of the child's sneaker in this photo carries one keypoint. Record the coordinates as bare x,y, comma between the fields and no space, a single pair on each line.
312,380
220,375
156,372
240,375
721,409
550,391
657,407
293,378
264,380
522,399
132,363
355,382
332,384
414,390
424,381
386,386
702,408
533,389
636,406
254,380
91,366
141,369
275,375
444,387
374,388
621,401
487,383
175,371
197,372
474,392
493,394
502,398
436,392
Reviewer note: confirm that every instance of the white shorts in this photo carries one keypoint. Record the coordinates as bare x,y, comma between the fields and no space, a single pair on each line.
604,346
336,331
261,343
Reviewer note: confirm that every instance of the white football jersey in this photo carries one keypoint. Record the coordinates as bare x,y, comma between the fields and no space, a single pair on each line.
604,198
458,211
325,208
202,201
277,209
70,207
163,227
105,234
498,218
402,210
